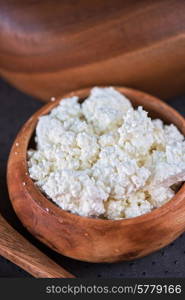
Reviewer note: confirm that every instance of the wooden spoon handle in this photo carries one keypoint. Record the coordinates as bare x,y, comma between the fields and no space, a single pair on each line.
17,249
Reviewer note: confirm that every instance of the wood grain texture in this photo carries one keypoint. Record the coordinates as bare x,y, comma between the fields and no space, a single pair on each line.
17,249
89,239
49,47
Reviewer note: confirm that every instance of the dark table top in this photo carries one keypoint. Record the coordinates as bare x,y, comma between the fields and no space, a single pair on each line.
15,109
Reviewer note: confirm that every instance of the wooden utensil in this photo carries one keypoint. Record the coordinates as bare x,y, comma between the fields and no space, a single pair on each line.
89,239
50,47
17,249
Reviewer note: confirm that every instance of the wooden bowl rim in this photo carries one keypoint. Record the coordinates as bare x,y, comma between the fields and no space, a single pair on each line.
48,205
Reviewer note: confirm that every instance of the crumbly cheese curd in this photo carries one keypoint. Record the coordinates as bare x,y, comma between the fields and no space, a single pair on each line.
103,158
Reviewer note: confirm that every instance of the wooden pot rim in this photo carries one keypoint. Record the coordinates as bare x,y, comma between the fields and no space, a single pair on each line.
21,143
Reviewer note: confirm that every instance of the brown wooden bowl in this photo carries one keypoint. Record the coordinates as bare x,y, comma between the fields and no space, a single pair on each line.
88,239
48,48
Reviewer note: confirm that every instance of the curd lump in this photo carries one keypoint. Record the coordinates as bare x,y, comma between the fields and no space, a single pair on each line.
103,158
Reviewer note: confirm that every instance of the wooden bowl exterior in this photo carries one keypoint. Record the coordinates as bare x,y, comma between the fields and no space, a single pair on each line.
51,47
89,239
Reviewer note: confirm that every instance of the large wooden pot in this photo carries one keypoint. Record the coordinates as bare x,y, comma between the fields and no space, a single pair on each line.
49,47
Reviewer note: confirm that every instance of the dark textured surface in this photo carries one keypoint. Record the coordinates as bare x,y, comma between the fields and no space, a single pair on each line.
15,109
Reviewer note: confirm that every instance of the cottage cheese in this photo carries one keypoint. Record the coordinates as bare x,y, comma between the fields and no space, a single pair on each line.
103,158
